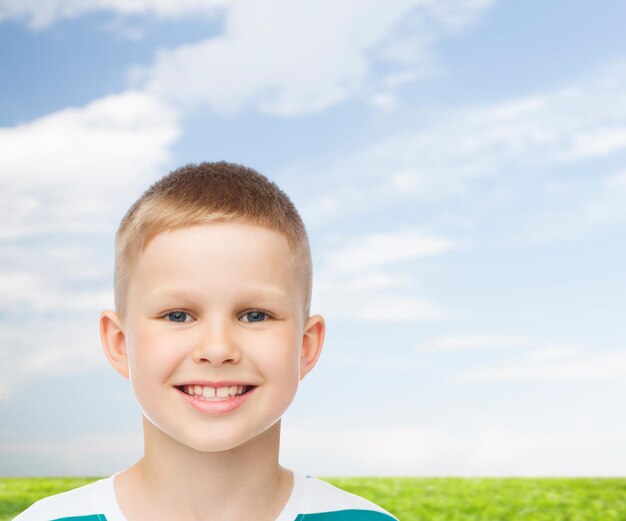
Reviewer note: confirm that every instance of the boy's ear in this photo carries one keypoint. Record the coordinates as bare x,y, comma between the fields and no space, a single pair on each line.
113,341
312,341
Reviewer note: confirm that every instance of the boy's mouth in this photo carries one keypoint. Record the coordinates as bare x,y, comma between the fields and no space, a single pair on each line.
204,392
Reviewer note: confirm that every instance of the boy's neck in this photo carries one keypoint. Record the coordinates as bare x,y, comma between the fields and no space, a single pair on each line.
174,481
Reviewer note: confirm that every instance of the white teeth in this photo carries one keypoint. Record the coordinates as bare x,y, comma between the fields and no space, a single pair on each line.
213,393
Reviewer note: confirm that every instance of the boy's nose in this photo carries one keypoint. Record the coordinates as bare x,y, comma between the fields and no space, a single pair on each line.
216,346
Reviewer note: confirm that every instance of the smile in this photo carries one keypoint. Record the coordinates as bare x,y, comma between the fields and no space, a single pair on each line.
215,394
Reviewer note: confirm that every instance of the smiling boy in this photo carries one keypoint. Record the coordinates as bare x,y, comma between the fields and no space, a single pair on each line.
213,330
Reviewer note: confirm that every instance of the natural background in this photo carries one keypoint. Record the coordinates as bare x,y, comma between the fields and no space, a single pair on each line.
460,165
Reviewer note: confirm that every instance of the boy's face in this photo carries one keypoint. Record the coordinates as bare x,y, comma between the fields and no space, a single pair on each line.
217,306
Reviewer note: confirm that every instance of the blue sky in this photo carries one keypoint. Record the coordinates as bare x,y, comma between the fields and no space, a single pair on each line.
460,166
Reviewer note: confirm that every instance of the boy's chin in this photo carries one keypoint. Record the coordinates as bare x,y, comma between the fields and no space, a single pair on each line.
215,446
212,437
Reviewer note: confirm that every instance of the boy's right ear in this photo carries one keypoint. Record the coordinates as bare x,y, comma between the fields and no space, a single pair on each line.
113,341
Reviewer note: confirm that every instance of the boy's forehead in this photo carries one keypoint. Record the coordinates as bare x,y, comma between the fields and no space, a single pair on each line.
213,243
228,252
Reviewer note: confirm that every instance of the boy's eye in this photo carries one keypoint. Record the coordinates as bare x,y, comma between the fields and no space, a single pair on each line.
254,316
178,316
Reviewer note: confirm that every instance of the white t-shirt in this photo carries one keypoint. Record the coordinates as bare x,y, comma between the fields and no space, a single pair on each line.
311,500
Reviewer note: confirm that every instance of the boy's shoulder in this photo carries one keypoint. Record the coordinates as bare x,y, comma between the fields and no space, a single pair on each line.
92,502
311,500
317,500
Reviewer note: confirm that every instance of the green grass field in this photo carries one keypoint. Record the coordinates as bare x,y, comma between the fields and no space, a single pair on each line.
424,499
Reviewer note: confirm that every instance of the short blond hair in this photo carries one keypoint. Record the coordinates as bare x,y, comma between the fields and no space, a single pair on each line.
202,194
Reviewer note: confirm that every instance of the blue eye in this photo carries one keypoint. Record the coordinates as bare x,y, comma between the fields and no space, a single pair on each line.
254,316
178,316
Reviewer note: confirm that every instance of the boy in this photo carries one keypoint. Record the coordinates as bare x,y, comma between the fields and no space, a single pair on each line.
212,328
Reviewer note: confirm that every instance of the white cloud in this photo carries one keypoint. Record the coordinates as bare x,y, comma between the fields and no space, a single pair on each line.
617,180
377,363
534,349
474,342
607,205
360,279
321,53
501,148
491,450
344,451
508,137
67,170
22,291
383,100
502,451
39,15
49,348
373,298
391,308
534,359
560,367
84,455
597,142
381,249
553,353
601,203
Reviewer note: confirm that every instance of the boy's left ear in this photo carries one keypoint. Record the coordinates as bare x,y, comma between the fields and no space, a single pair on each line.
312,341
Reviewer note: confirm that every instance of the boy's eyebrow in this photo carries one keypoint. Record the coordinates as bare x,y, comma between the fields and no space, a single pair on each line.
178,293
263,291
